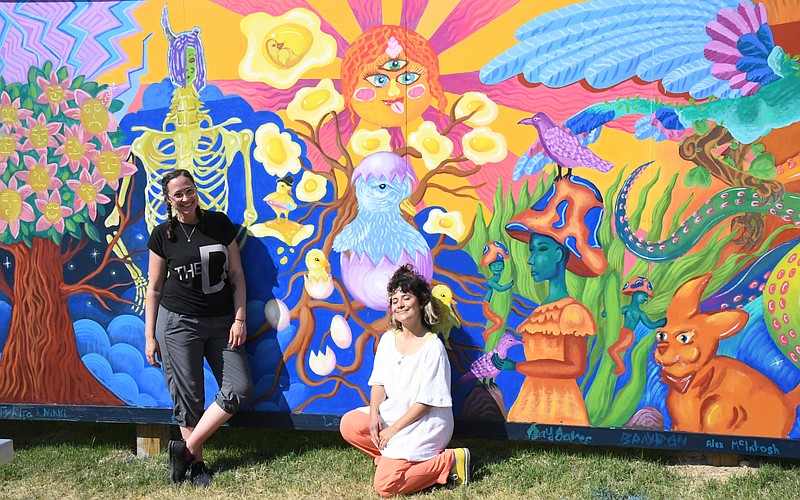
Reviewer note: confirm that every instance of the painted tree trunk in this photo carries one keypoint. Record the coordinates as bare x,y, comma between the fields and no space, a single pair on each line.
40,362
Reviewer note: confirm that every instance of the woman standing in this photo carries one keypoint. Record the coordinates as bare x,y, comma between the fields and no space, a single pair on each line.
410,419
195,309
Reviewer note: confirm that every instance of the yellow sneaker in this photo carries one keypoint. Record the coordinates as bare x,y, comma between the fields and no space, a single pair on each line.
459,471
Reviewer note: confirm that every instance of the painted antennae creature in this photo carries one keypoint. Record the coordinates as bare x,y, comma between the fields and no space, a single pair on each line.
494,257
187,62
640,289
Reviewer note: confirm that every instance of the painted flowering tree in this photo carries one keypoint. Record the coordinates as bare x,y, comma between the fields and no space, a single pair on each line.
60,169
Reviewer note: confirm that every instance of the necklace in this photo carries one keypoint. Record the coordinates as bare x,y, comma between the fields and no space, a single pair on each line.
189,234
402,357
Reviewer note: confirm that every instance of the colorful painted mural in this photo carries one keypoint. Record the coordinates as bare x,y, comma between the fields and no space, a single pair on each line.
605,196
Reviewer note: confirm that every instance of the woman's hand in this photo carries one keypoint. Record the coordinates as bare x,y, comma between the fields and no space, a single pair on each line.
238,334
376,425
385,435
152,351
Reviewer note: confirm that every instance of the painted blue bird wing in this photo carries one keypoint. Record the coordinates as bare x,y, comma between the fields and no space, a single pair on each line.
714,47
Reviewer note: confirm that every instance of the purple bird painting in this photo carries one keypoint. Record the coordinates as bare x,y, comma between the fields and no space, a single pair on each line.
562,146
483,368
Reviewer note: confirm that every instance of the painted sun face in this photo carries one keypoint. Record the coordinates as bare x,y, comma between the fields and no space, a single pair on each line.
39,136
87,193
74,149
94,116
9,114
109,165
10,205
392,92
39,178
7,145
52,212
55,93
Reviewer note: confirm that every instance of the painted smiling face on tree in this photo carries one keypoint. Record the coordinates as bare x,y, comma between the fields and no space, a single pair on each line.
390,76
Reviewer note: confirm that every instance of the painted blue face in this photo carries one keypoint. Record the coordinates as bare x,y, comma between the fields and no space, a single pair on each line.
497,266
546,257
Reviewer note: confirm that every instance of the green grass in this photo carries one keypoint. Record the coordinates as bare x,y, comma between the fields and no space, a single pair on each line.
83,461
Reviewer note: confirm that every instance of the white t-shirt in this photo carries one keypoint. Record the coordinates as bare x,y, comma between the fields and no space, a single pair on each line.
423,377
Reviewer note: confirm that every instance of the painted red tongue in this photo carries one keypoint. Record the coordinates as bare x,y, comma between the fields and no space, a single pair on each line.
398,107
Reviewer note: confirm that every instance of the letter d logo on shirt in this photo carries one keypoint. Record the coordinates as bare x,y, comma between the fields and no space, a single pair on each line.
215,263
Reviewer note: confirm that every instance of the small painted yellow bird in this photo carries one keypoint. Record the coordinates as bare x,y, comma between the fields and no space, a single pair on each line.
281,199
318,266
318,282
449,315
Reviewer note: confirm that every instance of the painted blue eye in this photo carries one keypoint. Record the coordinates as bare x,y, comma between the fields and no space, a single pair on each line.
378,80
382,186
408,78
394,65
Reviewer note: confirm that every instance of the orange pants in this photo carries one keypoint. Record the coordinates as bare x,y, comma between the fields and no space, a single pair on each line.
394,476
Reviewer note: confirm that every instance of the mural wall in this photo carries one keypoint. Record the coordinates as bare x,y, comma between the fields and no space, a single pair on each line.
604,194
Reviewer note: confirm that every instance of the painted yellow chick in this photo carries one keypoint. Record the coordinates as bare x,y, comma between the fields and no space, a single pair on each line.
281,200
318,282
449,315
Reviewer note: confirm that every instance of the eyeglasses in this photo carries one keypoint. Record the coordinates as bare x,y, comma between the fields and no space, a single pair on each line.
188,193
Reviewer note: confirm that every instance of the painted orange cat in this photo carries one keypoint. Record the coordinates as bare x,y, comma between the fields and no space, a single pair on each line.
710,393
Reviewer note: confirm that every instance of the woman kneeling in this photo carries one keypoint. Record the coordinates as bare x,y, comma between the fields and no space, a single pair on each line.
410,418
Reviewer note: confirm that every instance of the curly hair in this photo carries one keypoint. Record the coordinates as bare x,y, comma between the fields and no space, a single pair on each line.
372,43
407,280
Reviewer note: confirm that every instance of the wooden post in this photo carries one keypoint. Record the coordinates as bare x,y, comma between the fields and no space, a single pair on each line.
151,439
722,459
6,451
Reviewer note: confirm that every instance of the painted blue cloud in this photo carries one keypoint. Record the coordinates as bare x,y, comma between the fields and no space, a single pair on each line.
127,329
125,358
99,367
91,337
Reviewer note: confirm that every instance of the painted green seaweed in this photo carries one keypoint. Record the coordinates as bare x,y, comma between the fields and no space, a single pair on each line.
607,406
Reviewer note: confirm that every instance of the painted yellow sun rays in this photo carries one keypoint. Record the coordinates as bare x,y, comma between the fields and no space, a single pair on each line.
225,47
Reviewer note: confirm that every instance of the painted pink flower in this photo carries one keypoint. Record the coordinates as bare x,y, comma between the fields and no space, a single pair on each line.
93,112
41,177
87,192
113,162
55,93
10,112
9,146
13,207
75,149
52,211
40,135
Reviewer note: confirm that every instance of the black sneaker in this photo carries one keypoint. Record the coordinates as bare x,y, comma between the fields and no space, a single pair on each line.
201,475
179,460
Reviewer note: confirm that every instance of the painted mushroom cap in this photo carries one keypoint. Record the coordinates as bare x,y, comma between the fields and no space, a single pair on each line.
571,212
493,252
638,284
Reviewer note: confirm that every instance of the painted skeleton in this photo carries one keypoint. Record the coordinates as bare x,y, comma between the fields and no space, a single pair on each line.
190,140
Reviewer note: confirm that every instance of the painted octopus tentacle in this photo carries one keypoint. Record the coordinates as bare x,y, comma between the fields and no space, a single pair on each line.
782,305
723,205
750,283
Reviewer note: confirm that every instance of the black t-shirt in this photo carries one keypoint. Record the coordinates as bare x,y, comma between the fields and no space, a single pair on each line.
197,271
